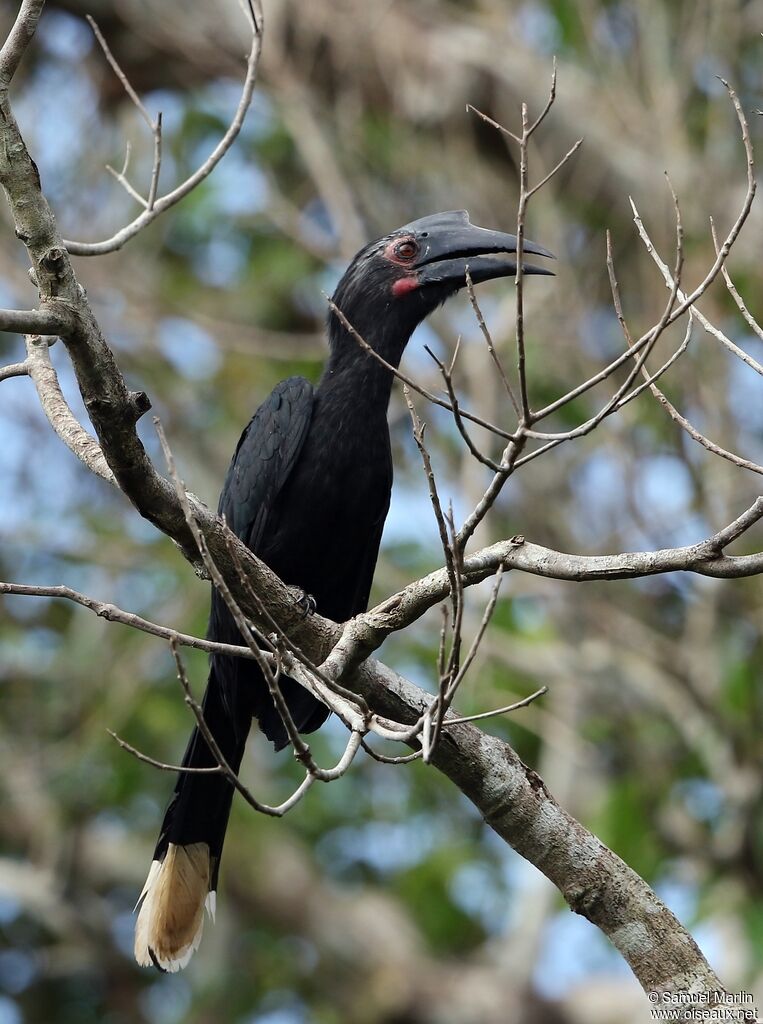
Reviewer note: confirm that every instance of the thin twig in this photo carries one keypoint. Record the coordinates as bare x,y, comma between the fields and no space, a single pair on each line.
386,759
455,407
475,644
493,124
214,749
498,711
154,125
14,370
664,368
526,416
405,379
671,410
752,323
245,628
119,176
489,342
110,612
549,104
212,770
164,202
684,301
670,282
157,162
544,181
112,61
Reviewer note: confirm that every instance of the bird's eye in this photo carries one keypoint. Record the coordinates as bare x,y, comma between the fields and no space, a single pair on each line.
406,250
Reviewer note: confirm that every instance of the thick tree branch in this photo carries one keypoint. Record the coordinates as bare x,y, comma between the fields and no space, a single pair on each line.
19,39
57,411
516,804
365,633
31,321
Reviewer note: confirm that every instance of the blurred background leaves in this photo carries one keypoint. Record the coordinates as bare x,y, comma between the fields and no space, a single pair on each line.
382,899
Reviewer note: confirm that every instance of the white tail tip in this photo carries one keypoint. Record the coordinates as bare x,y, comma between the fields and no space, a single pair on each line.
171,916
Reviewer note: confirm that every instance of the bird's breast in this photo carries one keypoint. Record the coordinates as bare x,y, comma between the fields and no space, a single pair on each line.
327,521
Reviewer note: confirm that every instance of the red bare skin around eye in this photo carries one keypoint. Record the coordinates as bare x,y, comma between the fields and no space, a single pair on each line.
391,253
405,285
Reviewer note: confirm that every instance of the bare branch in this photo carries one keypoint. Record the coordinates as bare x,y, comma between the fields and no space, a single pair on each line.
684,301
32,321
525,702
19,39
157,164
567,156
692,431
434,497
214,770
650,379
685,425
518,806
509,462
705,558
121,177
752,323
14,370
489,342
587,385
649,341
549,104
492,123
670,282
119,72
56,409
156,206
386,759
455,407
110,612
273,811
519,278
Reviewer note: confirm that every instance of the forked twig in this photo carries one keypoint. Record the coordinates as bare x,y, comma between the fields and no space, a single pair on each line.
156,205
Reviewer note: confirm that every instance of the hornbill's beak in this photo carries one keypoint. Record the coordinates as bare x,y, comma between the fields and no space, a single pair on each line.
450,243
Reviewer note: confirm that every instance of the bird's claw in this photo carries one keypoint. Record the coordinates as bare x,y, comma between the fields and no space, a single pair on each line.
304,601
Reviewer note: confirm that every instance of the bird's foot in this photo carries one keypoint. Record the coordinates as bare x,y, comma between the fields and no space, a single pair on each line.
304,601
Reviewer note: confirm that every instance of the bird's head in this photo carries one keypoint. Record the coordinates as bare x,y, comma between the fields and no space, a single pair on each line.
396,281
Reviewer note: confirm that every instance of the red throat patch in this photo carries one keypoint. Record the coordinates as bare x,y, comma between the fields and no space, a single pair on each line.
405,285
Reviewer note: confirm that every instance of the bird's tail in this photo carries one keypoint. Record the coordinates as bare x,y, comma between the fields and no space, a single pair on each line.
183,875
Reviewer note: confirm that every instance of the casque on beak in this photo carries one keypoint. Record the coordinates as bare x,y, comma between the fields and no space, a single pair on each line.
449,244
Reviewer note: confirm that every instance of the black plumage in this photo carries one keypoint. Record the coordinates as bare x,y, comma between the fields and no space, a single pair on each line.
308,491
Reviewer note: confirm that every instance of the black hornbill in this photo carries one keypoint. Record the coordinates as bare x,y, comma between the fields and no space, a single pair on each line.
308,491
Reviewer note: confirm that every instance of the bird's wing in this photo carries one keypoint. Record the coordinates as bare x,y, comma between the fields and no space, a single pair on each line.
264,458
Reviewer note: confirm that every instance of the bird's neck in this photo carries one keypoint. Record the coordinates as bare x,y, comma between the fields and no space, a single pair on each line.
353,370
